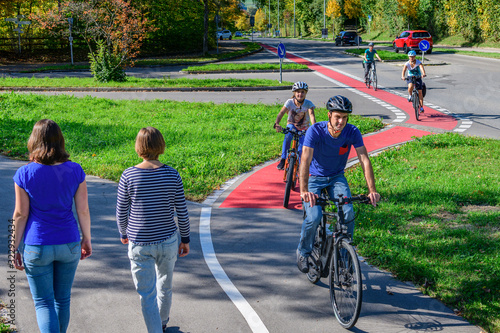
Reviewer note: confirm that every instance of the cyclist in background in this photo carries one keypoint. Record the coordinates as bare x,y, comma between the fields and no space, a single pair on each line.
369,58
326,148
300,114
414,68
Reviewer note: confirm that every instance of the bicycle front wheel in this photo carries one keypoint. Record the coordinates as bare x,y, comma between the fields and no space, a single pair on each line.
289,181
416,104
346,285
374,80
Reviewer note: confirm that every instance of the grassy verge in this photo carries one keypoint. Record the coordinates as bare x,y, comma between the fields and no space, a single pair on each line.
459,41
207,143
469,53
134,82
438,224
249,47
384,54
243,67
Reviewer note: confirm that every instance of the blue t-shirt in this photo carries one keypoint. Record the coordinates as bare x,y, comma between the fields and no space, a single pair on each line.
330,154
51,189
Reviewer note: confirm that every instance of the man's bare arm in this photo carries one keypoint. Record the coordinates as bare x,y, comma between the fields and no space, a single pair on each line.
305,163
366,165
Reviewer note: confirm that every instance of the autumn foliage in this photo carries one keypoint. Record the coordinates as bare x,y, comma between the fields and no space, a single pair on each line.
113,29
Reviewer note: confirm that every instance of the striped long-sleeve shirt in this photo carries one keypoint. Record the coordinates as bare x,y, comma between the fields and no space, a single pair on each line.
147,200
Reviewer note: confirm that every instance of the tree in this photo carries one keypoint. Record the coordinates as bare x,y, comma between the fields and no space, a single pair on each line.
243,23
260,20
114,32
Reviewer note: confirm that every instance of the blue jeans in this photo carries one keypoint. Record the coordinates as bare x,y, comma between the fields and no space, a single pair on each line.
335,185
152,271
288,141
50,270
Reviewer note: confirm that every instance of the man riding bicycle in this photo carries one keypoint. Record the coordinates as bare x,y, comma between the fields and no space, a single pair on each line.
324,156
414,68
368,59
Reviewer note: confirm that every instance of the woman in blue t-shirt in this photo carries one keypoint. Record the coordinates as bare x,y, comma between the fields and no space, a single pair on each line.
45,189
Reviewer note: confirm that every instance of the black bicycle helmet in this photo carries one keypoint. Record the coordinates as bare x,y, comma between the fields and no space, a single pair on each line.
339,103
300,85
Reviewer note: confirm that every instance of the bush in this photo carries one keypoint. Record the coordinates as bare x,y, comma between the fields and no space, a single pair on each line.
106,66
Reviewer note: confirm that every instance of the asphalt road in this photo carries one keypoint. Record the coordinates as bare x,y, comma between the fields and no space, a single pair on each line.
466,86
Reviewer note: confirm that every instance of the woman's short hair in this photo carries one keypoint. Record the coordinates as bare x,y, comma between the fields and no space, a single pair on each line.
149,143
46,143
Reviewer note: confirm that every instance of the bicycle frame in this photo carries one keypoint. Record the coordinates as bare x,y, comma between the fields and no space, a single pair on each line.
293,151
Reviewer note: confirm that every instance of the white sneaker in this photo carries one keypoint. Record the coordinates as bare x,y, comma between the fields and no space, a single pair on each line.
409,98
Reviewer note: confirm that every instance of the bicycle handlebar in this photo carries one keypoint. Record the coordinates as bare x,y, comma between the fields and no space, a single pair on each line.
323,201
293,131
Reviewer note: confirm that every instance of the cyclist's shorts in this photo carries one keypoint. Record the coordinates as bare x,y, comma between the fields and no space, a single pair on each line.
418,82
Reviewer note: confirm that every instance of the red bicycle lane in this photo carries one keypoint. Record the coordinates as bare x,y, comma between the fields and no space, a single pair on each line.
254,191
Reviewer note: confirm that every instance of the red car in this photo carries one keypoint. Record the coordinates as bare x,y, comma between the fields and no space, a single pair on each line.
408,40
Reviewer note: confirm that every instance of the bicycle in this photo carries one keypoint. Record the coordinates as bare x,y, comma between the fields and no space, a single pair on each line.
372,77
292,163
334,255
415,97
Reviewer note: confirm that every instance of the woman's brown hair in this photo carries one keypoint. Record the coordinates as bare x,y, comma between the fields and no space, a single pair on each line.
46,143
149,143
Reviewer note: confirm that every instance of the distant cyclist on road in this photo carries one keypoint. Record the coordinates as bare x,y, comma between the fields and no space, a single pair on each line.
414,68
369,58
300,114
326,148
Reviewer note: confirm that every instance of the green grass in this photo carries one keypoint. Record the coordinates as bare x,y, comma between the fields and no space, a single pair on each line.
244,67
460,41
438,224
384,54
134,82
469,53
207,143
249,47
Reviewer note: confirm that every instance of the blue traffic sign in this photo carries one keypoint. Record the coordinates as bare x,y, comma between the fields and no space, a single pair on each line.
281,50
424,45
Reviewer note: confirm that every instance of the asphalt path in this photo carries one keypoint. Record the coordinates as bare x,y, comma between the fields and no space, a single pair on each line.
241,274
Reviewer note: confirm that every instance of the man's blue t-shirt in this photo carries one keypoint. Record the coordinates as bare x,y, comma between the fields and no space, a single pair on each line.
51,189
330,154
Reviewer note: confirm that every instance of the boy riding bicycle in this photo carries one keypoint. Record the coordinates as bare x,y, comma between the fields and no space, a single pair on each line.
324,157
414,68
300,113
369,58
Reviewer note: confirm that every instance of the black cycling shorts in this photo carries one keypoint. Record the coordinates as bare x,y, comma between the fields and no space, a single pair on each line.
418,82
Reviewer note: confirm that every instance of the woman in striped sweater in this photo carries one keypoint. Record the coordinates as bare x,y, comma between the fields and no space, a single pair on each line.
148,195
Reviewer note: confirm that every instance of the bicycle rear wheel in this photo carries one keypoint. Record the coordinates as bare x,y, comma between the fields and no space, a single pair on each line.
346,290
289,180
416,104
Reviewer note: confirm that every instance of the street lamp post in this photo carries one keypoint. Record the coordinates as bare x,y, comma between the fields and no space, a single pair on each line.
70,21
293,18
279,31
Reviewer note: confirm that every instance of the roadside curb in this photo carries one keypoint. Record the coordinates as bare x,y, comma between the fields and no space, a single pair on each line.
144,89
141,66
396,60
250,71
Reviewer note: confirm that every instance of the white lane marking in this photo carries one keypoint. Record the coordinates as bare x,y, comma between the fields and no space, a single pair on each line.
207,247
400,115
465,123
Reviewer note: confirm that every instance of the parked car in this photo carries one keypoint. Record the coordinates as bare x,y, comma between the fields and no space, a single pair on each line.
347,37
408,40
224,34
238,34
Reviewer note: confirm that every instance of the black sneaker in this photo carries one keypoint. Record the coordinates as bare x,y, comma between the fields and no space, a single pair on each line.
281,165
302,263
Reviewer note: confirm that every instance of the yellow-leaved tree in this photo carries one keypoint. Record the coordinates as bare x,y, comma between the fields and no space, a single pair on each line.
353,9
260,20
243,22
